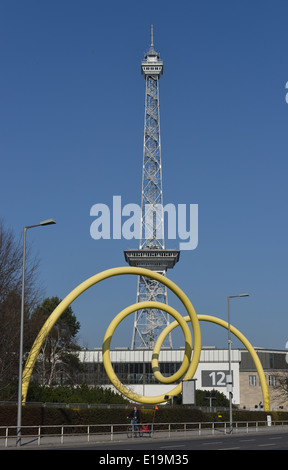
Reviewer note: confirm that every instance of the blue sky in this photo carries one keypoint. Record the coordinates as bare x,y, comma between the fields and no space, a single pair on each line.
71,135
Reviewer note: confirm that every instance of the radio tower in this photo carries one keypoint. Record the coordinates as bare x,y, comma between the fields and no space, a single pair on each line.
152,254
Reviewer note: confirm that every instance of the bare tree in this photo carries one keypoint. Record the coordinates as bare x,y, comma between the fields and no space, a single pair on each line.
279,392
11,255
9,341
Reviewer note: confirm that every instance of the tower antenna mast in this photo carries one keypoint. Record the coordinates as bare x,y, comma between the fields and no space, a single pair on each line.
148,323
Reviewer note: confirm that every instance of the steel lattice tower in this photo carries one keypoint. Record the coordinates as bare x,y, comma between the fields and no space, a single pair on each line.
152,254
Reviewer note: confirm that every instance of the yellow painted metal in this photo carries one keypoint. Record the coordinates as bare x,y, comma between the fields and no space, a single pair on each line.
155,367
243,339
45,330
192,316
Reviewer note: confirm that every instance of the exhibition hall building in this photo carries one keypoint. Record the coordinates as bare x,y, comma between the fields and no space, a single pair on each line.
133,369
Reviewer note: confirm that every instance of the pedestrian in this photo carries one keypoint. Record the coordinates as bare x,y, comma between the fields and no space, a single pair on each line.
135,418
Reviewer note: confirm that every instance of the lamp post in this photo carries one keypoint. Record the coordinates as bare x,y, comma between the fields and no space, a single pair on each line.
229,380
19,406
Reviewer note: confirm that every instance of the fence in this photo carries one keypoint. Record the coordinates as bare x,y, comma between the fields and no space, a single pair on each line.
80,434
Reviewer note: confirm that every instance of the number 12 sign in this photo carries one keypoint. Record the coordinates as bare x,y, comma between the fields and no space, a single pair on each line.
214,378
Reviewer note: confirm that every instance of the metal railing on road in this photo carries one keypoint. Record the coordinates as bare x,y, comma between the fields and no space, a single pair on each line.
55,436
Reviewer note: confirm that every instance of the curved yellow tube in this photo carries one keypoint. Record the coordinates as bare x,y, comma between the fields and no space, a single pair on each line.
186,361
92,281
241,337
155,366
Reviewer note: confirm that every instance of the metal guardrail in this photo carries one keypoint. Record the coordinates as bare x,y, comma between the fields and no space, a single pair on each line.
58,435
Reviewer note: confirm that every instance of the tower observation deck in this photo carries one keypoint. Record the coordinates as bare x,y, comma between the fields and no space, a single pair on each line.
148,323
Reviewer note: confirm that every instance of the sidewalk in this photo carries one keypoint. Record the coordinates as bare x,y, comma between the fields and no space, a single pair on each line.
33,442
58,441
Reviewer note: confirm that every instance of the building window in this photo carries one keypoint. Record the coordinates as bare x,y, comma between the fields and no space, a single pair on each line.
272,380
252,380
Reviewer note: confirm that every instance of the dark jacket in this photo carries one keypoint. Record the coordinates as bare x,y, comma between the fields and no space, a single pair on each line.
135,415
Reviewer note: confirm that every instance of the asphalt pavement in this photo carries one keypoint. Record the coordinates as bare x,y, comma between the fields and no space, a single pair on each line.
175,445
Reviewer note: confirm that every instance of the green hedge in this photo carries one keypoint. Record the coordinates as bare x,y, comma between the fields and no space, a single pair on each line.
45,415
70,394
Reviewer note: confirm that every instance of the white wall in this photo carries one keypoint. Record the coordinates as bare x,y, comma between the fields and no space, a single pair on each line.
210,374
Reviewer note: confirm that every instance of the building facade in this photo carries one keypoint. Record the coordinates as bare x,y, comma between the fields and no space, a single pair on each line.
274,363
133,368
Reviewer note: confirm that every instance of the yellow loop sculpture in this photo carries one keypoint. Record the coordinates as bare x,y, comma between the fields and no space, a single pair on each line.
50,322
188,366
155,367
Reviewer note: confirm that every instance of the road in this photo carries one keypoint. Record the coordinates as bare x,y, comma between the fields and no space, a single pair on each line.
260,441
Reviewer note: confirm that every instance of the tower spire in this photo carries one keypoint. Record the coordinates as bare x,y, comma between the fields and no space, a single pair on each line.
152,53
149,323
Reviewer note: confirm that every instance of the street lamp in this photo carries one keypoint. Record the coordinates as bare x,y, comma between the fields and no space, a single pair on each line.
229,378
19,406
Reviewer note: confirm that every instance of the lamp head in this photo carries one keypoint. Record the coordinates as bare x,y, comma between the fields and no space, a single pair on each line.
48,222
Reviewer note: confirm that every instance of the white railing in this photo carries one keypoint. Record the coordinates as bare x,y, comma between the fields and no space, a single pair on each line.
72,434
